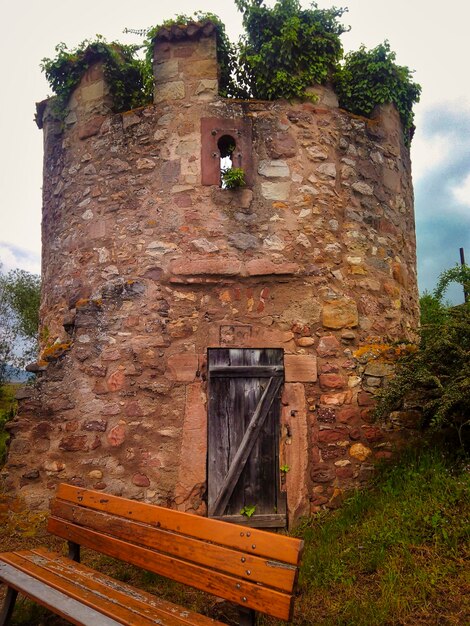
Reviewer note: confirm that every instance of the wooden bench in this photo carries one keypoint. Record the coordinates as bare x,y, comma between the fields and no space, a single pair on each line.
255,569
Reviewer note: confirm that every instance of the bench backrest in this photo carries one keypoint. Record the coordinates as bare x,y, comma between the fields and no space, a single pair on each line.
253,568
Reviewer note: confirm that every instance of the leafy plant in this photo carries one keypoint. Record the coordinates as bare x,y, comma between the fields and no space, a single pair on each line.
285,469
371,77
124,73
436,377
432,310
248,510
233,177
287,49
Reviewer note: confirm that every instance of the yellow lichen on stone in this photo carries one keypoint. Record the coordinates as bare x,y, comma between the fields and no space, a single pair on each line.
52,353
384,351
359,451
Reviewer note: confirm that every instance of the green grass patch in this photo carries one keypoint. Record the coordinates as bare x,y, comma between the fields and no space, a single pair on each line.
394,554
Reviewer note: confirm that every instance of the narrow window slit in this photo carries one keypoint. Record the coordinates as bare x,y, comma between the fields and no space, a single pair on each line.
226,146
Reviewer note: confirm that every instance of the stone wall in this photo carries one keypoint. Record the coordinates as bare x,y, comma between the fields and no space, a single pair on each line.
144,268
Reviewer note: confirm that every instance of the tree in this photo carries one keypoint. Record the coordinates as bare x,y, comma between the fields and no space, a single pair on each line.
436,377
434,311
457,274
19,318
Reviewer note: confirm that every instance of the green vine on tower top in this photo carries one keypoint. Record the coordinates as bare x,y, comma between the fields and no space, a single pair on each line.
371,77
124,72
285,50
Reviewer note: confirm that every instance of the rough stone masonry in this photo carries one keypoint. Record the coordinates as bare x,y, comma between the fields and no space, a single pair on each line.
147,262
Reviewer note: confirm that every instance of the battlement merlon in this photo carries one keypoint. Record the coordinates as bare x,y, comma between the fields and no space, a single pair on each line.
185,67
185,63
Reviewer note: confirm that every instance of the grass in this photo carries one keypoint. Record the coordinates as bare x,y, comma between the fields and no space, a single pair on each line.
395,554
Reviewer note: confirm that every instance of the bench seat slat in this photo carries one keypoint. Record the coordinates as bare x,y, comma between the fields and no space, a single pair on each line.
286,549
124,606
63,605
209,555
147,604
239,591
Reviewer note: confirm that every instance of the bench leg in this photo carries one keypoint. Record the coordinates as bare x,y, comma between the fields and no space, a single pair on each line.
74,551
8,606
247,617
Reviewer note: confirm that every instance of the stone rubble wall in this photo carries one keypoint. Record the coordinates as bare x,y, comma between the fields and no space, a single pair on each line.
144,269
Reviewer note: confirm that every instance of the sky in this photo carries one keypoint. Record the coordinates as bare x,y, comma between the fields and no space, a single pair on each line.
428,36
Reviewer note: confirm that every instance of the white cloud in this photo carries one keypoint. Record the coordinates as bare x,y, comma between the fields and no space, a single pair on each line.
462,194
12,257
428,153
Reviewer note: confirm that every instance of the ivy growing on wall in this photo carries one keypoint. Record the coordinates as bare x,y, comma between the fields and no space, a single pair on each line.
371,77
124,72
284,51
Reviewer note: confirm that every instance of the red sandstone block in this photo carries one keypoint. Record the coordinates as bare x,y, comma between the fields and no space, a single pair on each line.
74,443
264,267
282,145
337,399
90,128
355,434
330,436
116,381
300,368
372,433
110,354
141,480
348,414
344,472
96,425
133,409
205,266
365,399
329,368
328,346
183,367
117,435
332,381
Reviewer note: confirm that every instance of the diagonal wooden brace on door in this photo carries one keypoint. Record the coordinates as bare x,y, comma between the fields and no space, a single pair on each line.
246,446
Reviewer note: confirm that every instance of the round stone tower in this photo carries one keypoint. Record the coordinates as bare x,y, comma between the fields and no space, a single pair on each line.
203,346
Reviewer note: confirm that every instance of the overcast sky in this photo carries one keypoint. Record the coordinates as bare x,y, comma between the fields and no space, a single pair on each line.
430,37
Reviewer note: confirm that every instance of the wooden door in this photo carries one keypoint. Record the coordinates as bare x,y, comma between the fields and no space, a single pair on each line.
243,436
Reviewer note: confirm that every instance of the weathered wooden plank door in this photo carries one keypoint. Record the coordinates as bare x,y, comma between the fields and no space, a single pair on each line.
243,435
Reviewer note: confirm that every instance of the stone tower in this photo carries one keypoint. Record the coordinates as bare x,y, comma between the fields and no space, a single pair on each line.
149,266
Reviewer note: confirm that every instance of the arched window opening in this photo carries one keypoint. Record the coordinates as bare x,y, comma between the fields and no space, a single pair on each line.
226,145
